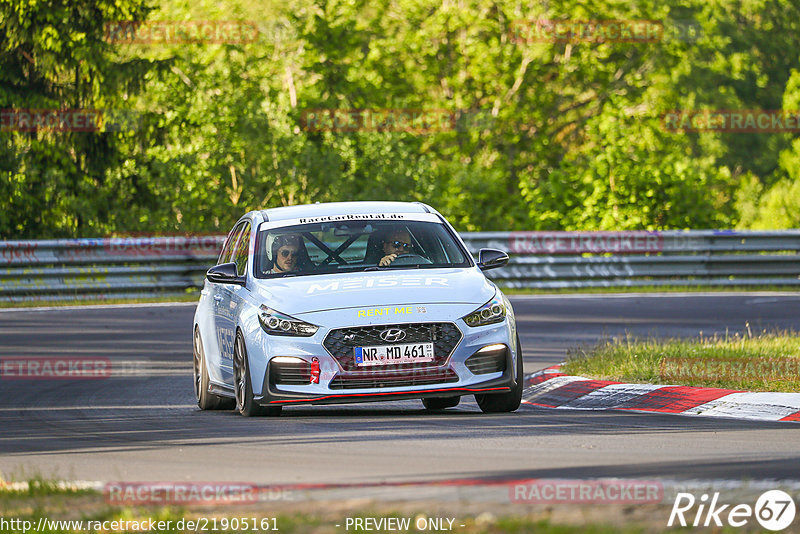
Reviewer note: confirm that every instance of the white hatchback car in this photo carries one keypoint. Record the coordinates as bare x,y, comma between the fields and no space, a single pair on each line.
353,302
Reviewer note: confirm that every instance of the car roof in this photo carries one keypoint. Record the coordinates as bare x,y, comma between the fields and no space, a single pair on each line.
343,208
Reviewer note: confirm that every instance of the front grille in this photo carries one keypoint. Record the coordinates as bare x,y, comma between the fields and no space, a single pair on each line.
290,373
393,380
482,363
445,337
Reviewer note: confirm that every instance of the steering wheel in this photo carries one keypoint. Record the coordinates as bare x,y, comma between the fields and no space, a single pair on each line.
411,259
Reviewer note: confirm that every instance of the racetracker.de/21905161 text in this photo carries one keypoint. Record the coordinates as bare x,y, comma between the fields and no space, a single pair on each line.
197,524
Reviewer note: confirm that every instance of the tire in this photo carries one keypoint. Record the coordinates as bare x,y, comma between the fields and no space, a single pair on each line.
504,402
243,386
440,403
205,399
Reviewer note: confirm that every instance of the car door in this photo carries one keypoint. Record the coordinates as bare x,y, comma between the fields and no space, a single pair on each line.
235,295
207,321
224,313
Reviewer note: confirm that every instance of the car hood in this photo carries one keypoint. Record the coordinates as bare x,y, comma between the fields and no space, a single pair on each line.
307,294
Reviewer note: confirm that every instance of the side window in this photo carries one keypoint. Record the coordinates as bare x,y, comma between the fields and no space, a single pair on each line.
227,250
240,253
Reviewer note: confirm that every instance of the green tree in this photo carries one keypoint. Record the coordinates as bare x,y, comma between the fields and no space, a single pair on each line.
53,56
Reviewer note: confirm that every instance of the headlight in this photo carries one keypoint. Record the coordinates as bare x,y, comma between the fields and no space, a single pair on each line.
492,312
278,324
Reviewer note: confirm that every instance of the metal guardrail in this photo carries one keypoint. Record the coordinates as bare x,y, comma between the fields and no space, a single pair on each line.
136,267
631,259
151,266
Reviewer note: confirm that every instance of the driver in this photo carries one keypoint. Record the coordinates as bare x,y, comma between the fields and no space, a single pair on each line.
395,244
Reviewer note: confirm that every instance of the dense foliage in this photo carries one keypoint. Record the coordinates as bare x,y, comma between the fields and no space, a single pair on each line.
544,134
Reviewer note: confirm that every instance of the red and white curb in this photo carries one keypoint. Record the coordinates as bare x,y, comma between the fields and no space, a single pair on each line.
550,388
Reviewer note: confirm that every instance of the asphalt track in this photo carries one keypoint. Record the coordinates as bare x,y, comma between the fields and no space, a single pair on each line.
144,426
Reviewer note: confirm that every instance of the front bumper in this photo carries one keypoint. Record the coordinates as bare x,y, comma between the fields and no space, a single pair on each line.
457,377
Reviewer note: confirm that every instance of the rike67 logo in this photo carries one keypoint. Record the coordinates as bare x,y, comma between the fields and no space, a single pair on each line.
774,510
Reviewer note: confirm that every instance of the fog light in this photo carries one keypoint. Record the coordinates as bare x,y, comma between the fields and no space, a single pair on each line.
492,348
287,359
488,359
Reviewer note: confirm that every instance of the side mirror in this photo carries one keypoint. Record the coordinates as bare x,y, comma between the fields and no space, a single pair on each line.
490,258
225,273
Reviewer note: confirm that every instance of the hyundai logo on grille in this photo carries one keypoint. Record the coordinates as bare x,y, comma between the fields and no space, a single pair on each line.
393,335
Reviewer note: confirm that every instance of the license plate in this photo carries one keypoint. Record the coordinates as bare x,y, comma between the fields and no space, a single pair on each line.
394,354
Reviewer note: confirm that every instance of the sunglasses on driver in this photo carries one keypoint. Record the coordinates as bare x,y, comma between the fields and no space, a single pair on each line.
399,244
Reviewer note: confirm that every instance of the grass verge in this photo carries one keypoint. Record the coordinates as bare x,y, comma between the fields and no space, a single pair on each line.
56,510
762,362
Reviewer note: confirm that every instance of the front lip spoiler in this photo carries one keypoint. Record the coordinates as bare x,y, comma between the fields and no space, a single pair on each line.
501,384
361,397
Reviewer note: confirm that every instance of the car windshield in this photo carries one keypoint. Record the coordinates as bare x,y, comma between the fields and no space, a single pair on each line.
331,247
